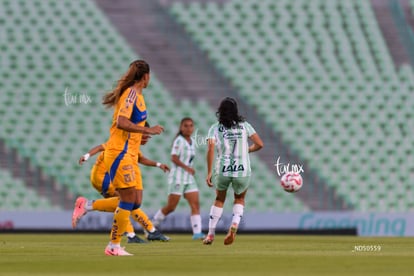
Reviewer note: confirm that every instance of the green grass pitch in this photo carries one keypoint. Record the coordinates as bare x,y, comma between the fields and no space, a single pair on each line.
82,254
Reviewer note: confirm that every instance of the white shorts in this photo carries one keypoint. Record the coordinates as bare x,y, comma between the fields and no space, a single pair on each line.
181,189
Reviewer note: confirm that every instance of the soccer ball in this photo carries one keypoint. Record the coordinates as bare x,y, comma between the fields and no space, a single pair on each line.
291,182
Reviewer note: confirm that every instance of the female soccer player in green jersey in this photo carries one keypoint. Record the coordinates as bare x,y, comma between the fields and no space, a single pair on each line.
230,136
181,180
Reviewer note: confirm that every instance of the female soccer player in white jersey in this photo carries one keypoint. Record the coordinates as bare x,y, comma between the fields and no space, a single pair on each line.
181,178
230,136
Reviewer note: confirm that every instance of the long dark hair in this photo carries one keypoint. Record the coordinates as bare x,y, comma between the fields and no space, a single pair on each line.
181,124
136,71
228,113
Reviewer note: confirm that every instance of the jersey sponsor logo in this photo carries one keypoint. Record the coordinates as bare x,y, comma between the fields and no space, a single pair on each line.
127,167
138,115
232,135
132,96
223,129
233,167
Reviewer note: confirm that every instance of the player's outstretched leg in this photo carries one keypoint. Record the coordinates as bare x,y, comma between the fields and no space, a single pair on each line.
150,231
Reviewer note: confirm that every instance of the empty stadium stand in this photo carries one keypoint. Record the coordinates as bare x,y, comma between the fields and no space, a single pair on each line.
320,74
14,195
326,82
61,57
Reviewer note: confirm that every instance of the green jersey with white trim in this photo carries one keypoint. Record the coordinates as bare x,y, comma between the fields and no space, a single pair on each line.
232,149
186,153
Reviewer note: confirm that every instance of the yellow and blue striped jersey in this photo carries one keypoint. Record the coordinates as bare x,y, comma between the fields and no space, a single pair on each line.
132,106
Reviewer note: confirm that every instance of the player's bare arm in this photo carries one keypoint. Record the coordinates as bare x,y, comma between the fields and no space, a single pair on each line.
125,124
176,160
257,143
147,162
90,153
210,159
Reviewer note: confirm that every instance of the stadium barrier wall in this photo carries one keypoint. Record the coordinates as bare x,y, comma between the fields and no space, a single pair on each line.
366,224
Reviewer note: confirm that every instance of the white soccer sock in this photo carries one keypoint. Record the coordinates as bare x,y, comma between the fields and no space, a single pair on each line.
114,245
237,213
131,235
158,218
196,223
215,215
88,205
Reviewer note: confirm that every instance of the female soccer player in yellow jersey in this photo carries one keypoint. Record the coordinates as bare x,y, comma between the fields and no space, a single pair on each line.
123,145
100,181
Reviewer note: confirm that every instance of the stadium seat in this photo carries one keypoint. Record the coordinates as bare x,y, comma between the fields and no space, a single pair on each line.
14,195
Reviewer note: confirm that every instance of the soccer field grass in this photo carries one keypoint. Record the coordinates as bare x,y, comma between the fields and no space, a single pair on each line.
82,254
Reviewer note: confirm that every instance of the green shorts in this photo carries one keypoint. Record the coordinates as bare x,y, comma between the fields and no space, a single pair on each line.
239,184
181,189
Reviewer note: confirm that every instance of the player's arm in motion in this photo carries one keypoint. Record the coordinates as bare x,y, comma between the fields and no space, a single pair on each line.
176,160
91,153
125,124
210,159
147,162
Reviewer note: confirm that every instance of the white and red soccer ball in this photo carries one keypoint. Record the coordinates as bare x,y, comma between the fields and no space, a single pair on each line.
291,182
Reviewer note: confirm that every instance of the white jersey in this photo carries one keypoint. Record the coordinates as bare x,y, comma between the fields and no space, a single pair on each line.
232,149
186,153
